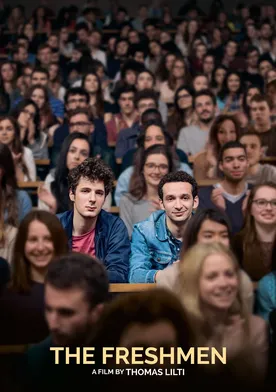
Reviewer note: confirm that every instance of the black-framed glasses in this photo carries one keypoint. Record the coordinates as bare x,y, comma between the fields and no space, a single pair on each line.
263,203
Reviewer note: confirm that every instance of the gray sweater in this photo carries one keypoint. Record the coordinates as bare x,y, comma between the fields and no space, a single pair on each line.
133,211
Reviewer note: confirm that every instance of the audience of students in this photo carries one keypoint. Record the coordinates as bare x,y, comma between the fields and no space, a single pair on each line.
170,126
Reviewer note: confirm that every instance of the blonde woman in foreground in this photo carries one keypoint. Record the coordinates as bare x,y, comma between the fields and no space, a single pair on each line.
210,290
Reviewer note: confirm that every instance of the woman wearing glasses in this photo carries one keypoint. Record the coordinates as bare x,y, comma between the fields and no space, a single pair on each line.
255,245
142,198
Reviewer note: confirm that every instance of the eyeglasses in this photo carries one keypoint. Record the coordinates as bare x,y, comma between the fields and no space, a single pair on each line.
78,124
262,203
153,166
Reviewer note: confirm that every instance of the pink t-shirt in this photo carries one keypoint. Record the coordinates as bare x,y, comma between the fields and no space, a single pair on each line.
84,243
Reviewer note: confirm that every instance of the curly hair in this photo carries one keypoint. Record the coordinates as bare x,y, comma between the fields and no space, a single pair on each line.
93,169
179,176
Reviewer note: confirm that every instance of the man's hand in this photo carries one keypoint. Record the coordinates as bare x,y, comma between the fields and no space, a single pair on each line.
218,199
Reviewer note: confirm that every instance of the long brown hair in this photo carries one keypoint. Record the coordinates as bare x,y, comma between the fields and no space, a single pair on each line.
45,112
21,271
252,251
17,145
213,138
99,94
138,186
8,199
186,76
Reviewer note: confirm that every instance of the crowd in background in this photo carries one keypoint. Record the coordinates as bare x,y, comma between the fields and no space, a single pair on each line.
150,142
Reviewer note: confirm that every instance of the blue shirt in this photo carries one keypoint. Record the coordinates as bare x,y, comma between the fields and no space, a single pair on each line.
153,248
57,105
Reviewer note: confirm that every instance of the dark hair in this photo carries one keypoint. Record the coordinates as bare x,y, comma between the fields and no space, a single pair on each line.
8,196
151,115
226,146
76,91
179,176
213,136
17,146
16,113
195,223
45,111
149,73
137,185
80,271
146,307
202,93
252,133
74,112
93,169
41,70
262,98
246,108
146,94
21,272
59,186
157,123
99,94
225,89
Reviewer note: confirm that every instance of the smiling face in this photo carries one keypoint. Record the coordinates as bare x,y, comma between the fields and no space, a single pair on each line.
38,97
154,135
264,213
218,283
39,247
226,132
234,164
178,201
233,83
156,166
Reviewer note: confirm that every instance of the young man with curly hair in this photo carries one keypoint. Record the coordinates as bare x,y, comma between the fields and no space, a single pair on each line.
89,228
156,241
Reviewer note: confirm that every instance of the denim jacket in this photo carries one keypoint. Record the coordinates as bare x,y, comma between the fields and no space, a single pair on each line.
152,248
112,244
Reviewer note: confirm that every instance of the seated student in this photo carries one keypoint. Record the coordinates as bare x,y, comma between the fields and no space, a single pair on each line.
153,132
224,129
22,156
192,139
260,114
151,117
210,290
230,194
257,172
89,228
15,203
144,100
53,194
28,118
142,198
39,239
78,98
255,245
76,290
156,241
205,227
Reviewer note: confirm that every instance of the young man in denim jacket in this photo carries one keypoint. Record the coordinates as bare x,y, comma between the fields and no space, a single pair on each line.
156,241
